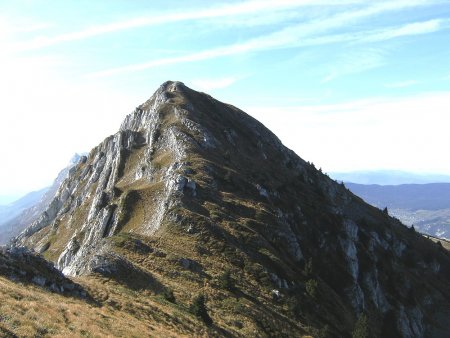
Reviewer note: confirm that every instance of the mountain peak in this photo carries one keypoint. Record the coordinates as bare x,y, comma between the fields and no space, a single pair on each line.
173,86
207,188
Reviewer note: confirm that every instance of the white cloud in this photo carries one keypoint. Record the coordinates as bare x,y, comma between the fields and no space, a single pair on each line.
369,134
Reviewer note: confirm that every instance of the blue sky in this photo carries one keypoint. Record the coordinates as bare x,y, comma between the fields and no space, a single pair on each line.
348,85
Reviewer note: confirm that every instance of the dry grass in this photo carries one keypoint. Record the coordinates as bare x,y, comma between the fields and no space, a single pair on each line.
445,244
233,312
118,312
122,311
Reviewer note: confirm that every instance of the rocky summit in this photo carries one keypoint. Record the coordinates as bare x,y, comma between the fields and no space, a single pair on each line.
195,220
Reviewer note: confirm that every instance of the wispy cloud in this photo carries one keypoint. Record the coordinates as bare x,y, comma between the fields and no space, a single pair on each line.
378,35
401,84
235,11
415,28
242,8
305,34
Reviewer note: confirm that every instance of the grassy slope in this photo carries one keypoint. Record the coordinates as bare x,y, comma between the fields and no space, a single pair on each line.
133,307
33,312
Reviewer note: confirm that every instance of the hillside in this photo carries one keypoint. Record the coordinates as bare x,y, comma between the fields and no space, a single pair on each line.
195,220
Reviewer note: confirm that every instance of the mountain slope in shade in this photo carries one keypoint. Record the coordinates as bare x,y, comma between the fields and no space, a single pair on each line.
30,208
194,196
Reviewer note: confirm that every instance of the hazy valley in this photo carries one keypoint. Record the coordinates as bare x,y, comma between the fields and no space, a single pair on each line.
426,206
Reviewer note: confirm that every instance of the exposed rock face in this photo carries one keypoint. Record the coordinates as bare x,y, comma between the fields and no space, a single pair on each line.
19,264
185,160
102,188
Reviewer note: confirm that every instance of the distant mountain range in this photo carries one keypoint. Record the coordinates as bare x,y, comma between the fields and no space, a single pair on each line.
426,206
12,210
389,177
16,216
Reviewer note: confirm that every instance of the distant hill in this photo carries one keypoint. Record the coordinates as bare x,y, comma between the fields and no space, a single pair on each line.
11,210
389,177
426,206
16,216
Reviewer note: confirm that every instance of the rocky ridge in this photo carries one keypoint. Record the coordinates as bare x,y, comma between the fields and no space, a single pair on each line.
187,167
